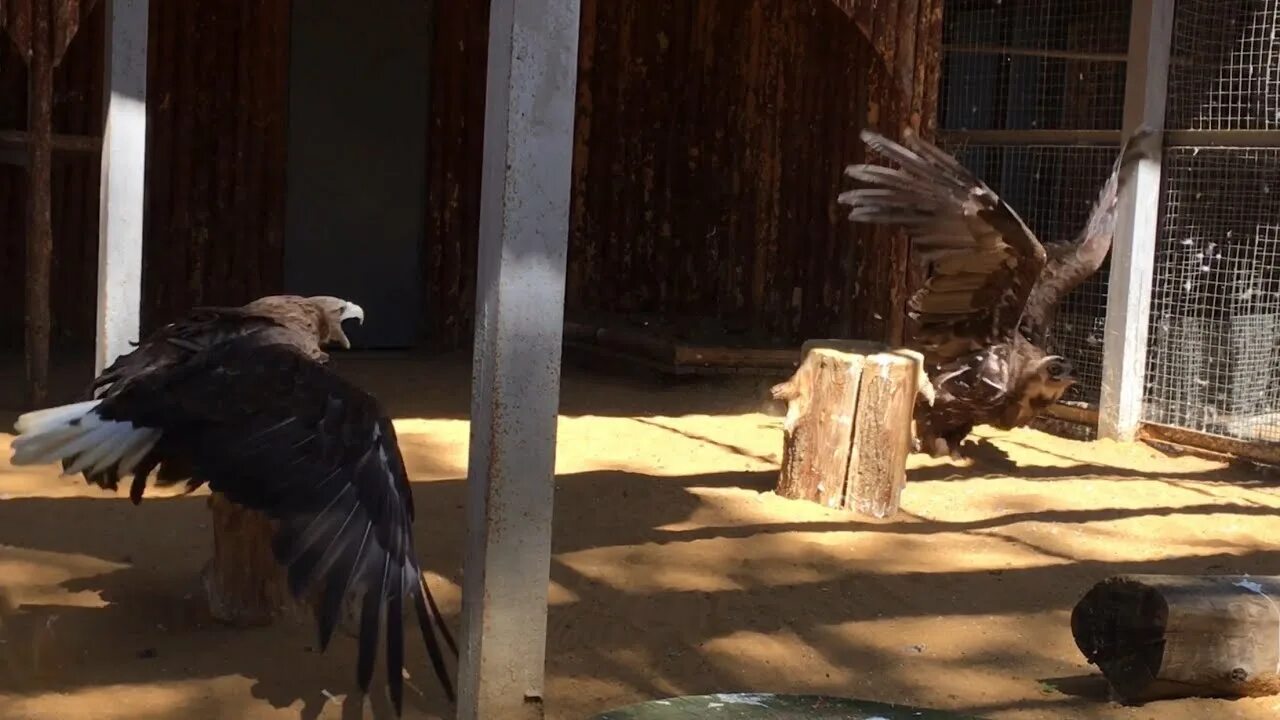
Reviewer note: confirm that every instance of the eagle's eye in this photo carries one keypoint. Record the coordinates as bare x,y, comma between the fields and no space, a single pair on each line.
1058,369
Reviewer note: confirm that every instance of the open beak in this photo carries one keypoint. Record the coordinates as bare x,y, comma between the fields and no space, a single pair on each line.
352,311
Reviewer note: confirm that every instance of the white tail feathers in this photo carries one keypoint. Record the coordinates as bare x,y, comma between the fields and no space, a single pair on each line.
77,433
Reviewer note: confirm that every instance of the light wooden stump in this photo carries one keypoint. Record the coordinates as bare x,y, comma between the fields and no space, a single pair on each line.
847,432
1166,636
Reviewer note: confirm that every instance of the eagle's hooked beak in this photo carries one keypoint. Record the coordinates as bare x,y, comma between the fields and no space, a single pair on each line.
1058,367
352,311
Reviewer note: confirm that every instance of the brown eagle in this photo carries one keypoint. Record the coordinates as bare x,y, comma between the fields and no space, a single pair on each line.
990,290
242,399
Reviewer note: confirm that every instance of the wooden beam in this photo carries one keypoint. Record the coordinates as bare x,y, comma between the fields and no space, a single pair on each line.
1030,137
60,142
1033,52
39,201
524,237
122,187
1265,453
1222,138
1137,217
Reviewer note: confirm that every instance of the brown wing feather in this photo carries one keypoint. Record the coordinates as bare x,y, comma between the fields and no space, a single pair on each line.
982,260
1072,263
263,322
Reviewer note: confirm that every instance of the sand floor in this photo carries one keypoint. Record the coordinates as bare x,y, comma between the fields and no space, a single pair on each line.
675,569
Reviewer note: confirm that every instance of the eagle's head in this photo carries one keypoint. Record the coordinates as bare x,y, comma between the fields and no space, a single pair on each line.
1044,383
333,312
1054,375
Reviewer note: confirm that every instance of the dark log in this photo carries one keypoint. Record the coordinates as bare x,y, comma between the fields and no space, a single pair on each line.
847,431
736,357
39,202
1166,636
243,583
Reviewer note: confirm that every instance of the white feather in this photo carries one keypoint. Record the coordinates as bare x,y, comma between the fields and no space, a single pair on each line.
35,420
112,444
78,433
144,443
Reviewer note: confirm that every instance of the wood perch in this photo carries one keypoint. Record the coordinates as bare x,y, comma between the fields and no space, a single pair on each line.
1166,636
847,432
244,584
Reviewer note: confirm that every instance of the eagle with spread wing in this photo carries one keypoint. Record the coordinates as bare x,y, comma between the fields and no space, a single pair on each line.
242,399
990,290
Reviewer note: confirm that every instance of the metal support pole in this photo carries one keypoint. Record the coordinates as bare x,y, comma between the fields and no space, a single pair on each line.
122,188
524,233
1137,218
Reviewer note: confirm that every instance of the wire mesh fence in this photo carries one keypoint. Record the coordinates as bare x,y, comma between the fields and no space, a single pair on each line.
1037,64
1041,65
1214,349
1225,69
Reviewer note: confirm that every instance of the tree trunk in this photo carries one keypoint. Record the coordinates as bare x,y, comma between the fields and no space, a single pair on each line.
1164,636
39,202
847,431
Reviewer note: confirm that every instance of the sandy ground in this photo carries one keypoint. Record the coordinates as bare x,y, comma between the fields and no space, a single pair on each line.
675,571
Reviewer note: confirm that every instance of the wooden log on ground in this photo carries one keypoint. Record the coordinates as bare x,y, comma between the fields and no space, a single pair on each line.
1166,636
847,431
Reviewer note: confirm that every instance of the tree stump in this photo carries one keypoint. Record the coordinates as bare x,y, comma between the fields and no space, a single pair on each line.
847,431
1166,636
243,583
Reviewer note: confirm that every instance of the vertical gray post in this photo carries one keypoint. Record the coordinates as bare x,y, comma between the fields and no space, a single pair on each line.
124,152
524,235
1137,216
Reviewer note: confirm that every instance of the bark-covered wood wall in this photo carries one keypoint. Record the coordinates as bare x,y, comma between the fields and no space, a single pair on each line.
217,117
711,139
216,122
77,109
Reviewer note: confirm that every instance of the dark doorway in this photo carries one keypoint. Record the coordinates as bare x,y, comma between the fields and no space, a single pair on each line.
356,177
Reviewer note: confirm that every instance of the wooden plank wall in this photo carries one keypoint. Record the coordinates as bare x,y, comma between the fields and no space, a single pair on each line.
217,118
215,175
711,141
454,151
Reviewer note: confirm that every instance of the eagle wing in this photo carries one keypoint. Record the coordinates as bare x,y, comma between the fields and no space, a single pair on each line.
1071,263
981,259
276,432
178,341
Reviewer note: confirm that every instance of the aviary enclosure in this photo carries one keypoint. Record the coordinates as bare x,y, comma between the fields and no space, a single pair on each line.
674,567
1033,96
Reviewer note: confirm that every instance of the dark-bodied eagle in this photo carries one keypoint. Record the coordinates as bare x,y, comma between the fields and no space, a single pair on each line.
242,399
990,289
